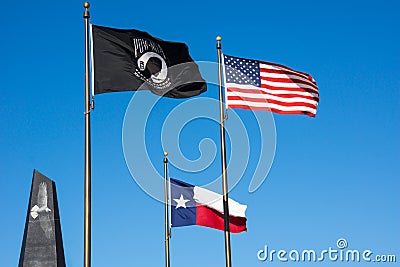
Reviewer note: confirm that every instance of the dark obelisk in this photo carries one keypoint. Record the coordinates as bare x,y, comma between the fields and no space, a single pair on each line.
42,245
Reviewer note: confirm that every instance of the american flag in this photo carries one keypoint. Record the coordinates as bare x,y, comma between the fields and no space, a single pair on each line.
259,85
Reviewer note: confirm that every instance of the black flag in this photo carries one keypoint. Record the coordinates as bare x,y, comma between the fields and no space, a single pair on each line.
129,60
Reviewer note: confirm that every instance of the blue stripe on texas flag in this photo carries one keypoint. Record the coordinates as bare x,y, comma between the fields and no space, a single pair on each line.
183,206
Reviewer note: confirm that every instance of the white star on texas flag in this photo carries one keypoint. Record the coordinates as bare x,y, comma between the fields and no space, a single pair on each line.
181,202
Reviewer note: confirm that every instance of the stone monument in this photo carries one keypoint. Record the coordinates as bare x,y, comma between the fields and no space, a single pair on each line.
42,245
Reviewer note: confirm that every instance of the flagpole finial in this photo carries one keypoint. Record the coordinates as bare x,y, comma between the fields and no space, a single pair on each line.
219,38
165,157
86,5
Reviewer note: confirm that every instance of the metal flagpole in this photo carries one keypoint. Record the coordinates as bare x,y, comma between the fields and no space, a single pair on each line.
88,172
166,200
223,161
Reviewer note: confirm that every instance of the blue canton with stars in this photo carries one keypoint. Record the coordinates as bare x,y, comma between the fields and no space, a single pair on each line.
182,215
242,71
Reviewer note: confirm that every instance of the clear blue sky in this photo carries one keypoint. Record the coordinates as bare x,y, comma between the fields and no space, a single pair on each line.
335,176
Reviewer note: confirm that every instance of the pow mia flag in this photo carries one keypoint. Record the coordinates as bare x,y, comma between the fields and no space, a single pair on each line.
130,60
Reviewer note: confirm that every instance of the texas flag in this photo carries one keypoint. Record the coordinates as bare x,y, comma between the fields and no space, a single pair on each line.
193,205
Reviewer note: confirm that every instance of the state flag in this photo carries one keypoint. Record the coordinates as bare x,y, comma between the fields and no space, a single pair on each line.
193,205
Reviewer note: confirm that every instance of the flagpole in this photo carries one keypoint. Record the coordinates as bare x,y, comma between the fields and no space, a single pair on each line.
166,218
223,161
87,171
